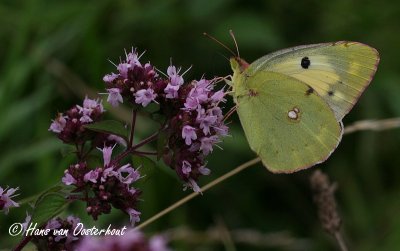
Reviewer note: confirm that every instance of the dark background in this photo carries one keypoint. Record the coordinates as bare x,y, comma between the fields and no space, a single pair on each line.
53,52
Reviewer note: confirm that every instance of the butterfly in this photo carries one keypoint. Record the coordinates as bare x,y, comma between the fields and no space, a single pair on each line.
291,102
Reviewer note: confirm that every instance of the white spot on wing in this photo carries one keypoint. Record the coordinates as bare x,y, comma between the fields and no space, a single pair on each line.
294,114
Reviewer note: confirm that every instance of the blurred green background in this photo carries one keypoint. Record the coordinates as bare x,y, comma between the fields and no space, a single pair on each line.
53,52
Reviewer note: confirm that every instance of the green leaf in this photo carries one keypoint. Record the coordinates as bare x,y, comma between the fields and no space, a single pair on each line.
143,161
110,127
147,166
158,117
152,108
38,196
161,142
67,150
48,206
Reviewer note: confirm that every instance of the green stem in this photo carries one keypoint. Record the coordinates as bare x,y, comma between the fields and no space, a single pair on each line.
203,189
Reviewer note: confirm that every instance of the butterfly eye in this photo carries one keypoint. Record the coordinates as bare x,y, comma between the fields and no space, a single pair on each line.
305,62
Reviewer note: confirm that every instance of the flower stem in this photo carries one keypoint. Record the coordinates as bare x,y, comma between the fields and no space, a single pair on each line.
23,243
130,143
132,149
145,141
145,153
203,189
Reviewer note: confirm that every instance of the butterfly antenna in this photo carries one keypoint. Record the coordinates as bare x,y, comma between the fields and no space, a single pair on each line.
234,40
222,55
219,42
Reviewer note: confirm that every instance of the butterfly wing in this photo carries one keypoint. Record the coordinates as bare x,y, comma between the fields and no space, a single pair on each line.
339,72
288,127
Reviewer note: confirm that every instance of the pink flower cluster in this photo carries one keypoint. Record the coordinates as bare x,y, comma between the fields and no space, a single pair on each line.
110,185
138,84
54,241
6,201
73,240
69,127
194,119
194,130
130,241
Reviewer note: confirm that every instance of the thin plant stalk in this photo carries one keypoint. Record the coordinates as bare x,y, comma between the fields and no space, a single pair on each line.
340,241
203,189
130,143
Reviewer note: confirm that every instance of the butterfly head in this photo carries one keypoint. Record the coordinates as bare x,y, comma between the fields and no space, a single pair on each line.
238,64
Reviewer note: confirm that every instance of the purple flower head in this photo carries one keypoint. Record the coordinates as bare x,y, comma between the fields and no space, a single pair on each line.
145,96
204,83
68,179
192,103
53,240
216,111
132,58
207,144
108,172
218,97
91,108
92,104
206,122
86,119
91,176
193,185
123,69
110,77
25,224
134,216
171,91
158,243
174,83
6,201
204,171
194,147
58,124
175,78
53,224
189,134
70,223
117,139
199,93
132,191
221,130
132,240
107,152
171,71
186,167
73,220
127,175
114,97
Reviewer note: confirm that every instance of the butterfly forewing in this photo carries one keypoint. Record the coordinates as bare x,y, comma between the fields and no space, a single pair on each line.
339,72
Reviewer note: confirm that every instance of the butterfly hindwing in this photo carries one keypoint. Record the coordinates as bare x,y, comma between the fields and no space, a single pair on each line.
286,125
339,72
